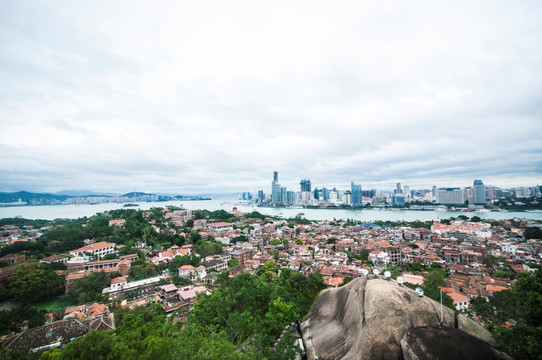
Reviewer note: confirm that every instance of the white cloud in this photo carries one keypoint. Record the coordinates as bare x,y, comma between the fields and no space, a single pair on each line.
211,96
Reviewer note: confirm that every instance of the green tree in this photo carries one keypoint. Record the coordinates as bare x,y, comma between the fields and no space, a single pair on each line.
533,233
89,288
346,280
34,282
516,316
434,278
14,320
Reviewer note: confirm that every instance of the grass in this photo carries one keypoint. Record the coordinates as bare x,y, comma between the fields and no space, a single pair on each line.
54,305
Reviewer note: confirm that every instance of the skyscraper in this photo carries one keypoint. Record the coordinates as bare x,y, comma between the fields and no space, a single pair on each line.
356,194
275,189
398,188
305,185
479,192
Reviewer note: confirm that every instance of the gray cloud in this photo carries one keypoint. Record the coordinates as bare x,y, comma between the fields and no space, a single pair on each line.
189,97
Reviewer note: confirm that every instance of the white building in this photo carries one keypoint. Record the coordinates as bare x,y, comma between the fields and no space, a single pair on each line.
98,250
450,196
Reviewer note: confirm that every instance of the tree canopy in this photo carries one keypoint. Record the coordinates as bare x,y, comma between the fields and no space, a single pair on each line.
34,282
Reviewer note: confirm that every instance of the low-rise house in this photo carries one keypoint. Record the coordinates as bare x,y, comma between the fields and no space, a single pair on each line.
56,334
13,258
169,292
120,287
220,226
461,302
119,222
54,259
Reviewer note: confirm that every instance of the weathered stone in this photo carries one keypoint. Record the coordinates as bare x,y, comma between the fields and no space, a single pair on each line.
366,319
426,343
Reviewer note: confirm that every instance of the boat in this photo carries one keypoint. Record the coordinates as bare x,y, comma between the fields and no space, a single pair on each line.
130,205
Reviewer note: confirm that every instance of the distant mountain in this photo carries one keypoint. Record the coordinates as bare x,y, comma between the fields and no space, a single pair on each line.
135,193
26,196
55,199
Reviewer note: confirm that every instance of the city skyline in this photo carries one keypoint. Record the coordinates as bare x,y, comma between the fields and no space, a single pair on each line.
196,98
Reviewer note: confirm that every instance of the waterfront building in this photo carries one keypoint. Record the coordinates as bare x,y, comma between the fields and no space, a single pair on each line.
398,200
291,197
305,185
316,194
450,196
355,194
275,189
325,194
407,193
347,200
479,192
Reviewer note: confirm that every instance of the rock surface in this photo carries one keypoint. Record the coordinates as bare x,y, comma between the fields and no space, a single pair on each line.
426,343
366,319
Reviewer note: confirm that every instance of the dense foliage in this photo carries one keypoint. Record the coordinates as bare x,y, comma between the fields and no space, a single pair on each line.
34,282
515,316
89,288
15,319
241,320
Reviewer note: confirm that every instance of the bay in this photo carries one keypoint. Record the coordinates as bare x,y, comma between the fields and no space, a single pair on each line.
51,212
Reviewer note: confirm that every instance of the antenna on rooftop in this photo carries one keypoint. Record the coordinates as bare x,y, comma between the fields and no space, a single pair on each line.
376,272
419,291
387,274
365,272
400,280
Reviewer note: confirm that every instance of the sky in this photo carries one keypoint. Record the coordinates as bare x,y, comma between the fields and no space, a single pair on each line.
213,96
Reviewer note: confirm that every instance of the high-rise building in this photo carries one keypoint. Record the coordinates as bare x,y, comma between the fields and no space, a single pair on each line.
325,194
347,200
368,193
398,200
305,185
283,194
355,194
398,189
491,192
407,191
261,196
291,197
479,192
275,189
450,196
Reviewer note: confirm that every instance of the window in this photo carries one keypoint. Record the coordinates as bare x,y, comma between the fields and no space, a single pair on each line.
48,334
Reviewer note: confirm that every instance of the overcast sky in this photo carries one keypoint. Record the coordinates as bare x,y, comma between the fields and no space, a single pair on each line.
213,96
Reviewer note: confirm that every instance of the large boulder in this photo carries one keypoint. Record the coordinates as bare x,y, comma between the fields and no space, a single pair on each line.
429,343
366,319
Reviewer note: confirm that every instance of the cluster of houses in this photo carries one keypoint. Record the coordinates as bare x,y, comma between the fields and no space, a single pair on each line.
337,250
